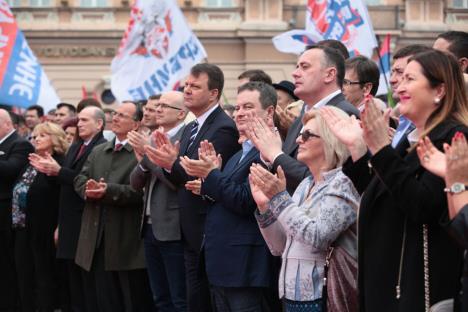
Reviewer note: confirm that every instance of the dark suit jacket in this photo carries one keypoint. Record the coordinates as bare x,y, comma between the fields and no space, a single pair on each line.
42,201
294,170
459,229
164,207
115,218
220,130
14,153
71,204
236,254
395,189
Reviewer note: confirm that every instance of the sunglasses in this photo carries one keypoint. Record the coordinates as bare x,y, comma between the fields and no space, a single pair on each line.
307,134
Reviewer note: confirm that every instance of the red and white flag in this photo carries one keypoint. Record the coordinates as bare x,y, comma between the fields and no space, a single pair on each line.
156,52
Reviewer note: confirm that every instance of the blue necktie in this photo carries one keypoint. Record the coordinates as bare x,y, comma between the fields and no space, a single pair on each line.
193,133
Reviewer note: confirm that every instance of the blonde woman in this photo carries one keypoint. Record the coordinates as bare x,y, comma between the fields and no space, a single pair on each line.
301,228
34,219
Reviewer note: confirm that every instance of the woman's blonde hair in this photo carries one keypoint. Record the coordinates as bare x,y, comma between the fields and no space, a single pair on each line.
57,135
336,153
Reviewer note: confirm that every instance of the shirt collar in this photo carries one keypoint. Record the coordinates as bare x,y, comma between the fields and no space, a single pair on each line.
413,137
201,119
117,141
247,146
323,101
7,136
171,133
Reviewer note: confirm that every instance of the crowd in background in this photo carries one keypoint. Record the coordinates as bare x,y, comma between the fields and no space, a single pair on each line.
309,195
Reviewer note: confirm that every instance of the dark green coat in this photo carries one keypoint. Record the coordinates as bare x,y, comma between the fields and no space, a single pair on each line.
121,205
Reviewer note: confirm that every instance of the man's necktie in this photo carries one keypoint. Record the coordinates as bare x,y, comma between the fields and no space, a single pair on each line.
117,147
193,133
81,151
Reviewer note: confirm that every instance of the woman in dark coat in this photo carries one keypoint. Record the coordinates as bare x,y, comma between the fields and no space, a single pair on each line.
402,202
34,219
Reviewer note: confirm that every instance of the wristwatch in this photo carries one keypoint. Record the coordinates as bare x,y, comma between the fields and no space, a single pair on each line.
456,188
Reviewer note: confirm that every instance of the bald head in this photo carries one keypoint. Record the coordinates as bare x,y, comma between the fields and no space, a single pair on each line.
6,124
171,110
91,120
173,98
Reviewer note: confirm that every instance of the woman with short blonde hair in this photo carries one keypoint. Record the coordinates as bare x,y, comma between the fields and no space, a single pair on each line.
34,219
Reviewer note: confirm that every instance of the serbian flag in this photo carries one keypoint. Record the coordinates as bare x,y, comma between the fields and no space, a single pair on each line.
22,80
384,65
156,52
295,41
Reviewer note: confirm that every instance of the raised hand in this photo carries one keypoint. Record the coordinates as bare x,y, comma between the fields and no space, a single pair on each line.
431,158
45,164
347,130
285,117
375,126
207,152
266,140
163,155
457,160
270,184
199,168
138,141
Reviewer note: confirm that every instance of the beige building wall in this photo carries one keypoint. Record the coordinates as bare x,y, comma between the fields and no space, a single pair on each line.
76,44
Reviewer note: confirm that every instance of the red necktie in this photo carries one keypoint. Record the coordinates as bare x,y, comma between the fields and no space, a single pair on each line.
81,151
117,147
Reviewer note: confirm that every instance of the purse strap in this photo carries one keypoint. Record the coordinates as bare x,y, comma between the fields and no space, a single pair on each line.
427,301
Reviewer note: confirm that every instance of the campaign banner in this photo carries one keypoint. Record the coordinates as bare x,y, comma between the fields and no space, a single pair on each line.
156,52
343,20
295,41
23,82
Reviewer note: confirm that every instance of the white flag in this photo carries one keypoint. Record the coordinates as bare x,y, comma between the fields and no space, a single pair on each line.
295,41
156,52
23,82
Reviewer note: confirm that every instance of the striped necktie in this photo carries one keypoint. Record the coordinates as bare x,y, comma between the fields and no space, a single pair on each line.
193,133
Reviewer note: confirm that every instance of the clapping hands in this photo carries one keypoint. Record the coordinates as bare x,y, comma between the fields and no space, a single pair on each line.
208,161
264,185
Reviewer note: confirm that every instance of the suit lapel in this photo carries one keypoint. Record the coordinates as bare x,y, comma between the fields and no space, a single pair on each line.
252,154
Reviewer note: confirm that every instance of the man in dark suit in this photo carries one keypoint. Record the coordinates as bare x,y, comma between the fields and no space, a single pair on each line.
202,91
160,226
91,122
109,246
14,153
239,265
318,81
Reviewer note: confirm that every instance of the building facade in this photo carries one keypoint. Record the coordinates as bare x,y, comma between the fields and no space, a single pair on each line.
75,40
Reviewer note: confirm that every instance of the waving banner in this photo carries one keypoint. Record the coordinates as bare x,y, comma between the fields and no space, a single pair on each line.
343,20
22,81
157,50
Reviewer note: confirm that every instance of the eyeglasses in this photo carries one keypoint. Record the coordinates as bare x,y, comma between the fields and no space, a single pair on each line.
347,82
307,134
164,106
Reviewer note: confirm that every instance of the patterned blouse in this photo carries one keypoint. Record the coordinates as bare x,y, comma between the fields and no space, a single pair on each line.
302,228
20,192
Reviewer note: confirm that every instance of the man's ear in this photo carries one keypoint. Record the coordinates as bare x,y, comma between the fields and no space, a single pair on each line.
214,95
330,75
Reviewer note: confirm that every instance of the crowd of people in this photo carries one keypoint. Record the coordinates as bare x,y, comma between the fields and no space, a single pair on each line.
310,195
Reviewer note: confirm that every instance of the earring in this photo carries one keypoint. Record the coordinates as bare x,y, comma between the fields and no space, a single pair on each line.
437,101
